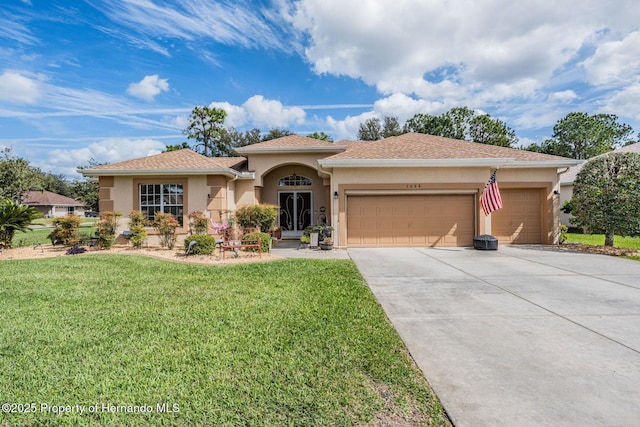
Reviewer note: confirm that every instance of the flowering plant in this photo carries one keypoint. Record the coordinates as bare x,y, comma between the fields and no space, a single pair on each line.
218,228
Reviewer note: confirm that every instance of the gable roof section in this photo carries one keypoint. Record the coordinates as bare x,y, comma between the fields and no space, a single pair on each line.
183,161
292,144
568,177
415,149
47,198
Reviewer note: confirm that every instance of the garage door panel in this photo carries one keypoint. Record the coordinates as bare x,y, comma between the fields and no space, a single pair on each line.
520,219
417,220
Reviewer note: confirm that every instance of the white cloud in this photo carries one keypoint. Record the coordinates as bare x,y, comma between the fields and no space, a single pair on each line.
266,112
477,54
236,116
230,23
616,61
564,96
18,89
397,105
148,88
109,150
625,103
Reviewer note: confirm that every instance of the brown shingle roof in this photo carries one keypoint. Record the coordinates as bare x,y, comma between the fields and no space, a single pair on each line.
47,198
184,159
421,146
292,143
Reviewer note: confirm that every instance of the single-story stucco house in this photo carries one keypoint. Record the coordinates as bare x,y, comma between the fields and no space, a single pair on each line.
408,190
566,181
53,205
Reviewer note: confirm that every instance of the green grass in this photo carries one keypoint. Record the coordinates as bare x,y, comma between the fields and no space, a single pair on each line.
39,235
291,342
598,239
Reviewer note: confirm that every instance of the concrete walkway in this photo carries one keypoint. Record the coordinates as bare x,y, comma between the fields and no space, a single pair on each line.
293,249
522,336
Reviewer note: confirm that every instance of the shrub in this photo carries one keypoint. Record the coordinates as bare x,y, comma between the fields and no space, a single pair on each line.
137,227
253,238
107,227
563,233
257,216
205,244
65,231
166,225
14,217
198,223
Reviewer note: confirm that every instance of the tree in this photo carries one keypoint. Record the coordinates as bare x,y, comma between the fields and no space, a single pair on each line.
581,136
176,147
16,177
206,127
485,130
606,195
375,129
235,139
86,191
321,136
464,123
275,133
370,130
14,217
390,127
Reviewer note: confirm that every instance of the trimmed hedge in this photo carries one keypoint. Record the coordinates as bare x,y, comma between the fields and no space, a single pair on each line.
257,216
205,246
253,238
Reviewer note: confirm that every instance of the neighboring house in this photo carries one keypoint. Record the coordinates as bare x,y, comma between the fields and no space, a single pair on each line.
52,205
408,190
567,178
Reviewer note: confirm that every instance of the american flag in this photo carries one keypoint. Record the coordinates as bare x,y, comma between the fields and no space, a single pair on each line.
490,199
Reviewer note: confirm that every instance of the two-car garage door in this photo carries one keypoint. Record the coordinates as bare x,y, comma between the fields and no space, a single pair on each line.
410,220
440,219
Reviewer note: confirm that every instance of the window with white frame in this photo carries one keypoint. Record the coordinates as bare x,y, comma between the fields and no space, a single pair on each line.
295,181
167,198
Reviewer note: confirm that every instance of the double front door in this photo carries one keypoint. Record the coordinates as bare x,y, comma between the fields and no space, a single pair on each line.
295,212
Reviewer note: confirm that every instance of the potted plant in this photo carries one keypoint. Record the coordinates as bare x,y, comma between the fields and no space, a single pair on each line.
305,239
326,244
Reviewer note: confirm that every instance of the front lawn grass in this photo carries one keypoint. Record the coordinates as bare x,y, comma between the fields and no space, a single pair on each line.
598,239
291,342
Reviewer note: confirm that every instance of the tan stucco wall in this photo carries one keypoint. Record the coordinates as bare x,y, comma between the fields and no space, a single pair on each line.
201,193
426,180
264,163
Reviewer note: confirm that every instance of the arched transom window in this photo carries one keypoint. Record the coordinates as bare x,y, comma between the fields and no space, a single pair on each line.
295,181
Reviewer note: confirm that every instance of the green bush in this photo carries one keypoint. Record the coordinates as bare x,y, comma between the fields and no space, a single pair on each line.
257,216
206,244
563,233
65,231
137,227
166,225
198,223
107,227
14,217
252,238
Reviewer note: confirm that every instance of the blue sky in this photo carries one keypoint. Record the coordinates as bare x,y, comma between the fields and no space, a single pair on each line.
116,79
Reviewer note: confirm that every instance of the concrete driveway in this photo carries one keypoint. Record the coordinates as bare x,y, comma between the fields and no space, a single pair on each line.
522,336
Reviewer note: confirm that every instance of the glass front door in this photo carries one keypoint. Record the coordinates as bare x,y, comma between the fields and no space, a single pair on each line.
295,212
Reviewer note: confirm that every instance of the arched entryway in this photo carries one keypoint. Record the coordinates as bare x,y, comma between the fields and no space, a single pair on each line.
301,195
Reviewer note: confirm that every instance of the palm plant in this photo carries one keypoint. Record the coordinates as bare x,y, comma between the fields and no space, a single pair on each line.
14,217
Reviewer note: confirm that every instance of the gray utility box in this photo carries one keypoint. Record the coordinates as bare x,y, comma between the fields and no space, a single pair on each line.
485,242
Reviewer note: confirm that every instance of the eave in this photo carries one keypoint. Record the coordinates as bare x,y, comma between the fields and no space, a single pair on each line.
442,163
228,172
